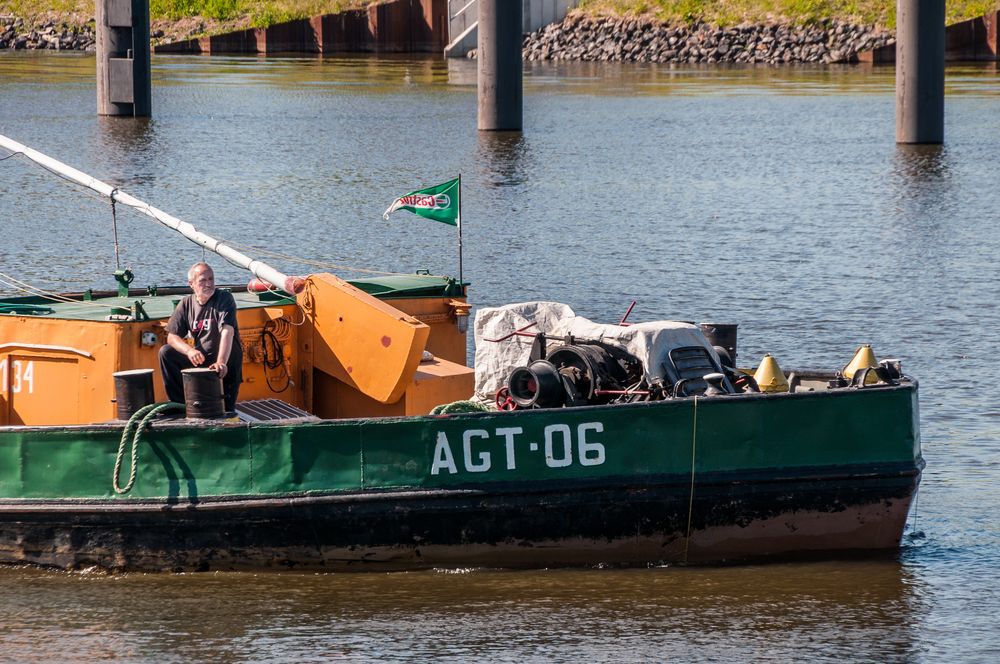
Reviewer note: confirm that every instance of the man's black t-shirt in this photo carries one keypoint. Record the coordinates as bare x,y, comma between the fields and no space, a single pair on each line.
204,322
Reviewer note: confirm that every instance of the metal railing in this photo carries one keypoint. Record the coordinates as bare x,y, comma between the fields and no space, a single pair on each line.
463,17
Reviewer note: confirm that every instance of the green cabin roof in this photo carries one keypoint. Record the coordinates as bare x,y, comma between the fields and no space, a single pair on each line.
108,306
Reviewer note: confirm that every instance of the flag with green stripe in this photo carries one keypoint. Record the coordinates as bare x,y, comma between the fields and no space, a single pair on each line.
440,203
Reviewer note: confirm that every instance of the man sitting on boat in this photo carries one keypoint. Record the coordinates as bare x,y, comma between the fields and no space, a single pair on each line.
209,316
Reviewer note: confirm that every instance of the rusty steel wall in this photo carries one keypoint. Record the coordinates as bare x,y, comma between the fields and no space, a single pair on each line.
991,22
402,26
241,41
391,24
347,32
429,26
291,36
972,40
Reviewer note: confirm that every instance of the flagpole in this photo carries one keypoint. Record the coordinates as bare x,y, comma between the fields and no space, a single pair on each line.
461,276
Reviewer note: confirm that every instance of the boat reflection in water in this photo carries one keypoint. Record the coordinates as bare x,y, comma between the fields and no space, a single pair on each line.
859,610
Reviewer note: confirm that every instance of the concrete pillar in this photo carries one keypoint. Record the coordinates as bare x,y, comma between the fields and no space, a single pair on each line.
123,69
500,70
920,71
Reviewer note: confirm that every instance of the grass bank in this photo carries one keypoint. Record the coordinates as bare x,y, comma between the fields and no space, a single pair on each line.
733,12
261,13
255,13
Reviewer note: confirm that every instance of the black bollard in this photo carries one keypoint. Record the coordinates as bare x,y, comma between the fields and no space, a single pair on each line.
920,71
499,62
133,390
203,394
123,66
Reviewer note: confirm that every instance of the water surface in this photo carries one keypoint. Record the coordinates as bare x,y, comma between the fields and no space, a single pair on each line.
773,197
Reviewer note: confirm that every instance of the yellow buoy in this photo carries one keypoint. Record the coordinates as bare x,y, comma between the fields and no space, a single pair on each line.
864,358
769,376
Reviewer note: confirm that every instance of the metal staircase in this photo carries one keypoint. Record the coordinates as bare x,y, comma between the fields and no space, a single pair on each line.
463,19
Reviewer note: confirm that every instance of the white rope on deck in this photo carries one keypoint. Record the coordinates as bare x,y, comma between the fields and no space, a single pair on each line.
25,287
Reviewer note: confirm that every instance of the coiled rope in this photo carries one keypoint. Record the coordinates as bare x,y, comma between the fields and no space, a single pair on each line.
134,427
464,406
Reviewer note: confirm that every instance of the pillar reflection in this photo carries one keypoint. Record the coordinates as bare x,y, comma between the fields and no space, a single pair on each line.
124,148
916,162
503,157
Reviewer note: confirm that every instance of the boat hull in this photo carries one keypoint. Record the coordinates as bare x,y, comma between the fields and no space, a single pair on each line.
730,520
660,495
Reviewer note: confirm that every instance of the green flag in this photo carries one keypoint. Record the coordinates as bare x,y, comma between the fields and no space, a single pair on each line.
439,203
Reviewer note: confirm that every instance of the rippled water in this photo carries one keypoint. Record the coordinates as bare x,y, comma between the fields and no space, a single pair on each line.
771,197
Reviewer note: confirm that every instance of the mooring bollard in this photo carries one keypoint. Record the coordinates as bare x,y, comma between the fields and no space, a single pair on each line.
133,391
123,67
920,71
499,65
203,394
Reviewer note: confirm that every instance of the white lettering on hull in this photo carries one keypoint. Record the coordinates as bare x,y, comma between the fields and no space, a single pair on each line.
563,447
443,458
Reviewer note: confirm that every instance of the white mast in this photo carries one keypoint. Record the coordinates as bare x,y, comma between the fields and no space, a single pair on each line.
256,267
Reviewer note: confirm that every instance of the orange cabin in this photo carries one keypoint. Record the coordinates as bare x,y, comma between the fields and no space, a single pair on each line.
340,350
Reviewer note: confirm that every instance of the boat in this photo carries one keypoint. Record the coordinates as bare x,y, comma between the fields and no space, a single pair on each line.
355,445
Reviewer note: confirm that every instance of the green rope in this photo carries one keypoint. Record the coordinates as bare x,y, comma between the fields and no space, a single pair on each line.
139,421
464,406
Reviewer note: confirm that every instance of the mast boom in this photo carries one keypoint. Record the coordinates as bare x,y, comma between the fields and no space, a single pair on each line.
258,268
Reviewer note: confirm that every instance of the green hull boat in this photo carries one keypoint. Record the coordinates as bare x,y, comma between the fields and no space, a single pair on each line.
689,480
606,445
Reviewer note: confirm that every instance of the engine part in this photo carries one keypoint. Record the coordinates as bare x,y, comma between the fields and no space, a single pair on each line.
595,367
576,374
538,385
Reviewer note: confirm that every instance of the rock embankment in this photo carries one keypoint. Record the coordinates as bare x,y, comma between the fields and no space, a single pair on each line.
578,37
75,33
16,34
639,39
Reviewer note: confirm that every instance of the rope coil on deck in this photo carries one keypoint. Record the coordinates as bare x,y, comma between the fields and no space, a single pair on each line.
464,406
134,428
